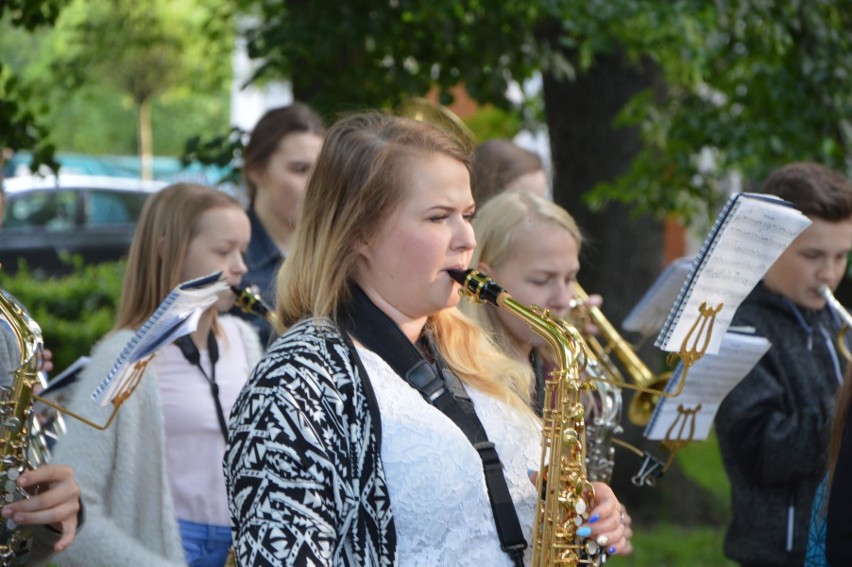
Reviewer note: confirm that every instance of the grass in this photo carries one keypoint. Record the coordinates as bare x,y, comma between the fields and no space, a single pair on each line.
702,463
664,544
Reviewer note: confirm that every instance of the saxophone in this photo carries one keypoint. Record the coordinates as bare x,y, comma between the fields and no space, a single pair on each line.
23,445
567,494
248,300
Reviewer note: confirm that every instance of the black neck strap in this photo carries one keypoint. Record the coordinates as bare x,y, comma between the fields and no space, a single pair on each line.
190,352
441,388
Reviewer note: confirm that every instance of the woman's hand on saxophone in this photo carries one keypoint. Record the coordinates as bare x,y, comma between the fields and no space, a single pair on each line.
609,523
45,364
56,504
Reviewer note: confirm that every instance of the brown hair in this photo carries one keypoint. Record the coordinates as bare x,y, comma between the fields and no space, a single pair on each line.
814,189
358,181
495,164
167,225
274,126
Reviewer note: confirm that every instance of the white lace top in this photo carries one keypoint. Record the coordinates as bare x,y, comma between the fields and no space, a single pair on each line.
434,475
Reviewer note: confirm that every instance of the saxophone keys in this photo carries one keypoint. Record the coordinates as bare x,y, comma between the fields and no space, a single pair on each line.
592,548
13,424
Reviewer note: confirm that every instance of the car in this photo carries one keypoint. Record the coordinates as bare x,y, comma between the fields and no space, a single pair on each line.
48,219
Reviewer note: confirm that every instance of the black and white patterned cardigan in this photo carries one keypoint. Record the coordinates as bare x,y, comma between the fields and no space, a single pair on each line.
303,463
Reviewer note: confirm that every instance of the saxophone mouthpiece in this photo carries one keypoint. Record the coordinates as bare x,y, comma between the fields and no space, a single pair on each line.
459,275
477,284
248,300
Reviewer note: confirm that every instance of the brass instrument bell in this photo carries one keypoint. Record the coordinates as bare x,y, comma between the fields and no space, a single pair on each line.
644,399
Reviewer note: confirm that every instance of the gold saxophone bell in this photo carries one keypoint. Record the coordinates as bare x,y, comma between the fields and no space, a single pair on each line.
844,315
647,385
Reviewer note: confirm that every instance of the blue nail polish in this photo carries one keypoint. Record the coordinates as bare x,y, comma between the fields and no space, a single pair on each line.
594,519
611,550
585,531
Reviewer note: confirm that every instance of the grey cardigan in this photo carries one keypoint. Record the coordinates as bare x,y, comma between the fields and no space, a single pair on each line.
130,518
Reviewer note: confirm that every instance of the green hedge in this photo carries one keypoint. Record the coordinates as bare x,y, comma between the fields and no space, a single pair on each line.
73,311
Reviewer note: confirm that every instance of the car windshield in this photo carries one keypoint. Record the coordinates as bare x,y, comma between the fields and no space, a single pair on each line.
51,210
113,207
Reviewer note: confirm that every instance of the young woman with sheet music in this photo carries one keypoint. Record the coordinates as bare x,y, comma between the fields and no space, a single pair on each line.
152,482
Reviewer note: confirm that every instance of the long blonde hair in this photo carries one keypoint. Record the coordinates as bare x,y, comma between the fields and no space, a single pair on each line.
167,225
496,226
358,181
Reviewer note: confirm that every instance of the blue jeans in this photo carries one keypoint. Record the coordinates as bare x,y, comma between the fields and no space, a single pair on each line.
205,545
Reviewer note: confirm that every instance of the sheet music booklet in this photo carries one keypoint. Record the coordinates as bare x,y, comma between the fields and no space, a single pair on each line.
707,383
66,377
176,316
750,233
649,314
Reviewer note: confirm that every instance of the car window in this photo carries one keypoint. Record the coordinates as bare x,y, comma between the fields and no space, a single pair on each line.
52,210
105,207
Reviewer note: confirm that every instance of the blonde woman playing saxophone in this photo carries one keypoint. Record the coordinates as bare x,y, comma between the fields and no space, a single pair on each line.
532,247
359,468
152,482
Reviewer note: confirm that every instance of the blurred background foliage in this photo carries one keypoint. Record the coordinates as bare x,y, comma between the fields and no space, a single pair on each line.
73,311
88,75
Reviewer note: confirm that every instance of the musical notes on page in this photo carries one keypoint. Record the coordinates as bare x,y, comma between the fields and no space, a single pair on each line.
649,314
707,383
748,236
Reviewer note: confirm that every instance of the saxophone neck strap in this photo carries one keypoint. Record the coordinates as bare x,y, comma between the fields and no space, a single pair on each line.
442,389
190,353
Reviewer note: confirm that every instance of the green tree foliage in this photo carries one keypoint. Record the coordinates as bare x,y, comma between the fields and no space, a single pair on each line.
85,72
761,83
747,84
142,49
73,311
30,14
20,127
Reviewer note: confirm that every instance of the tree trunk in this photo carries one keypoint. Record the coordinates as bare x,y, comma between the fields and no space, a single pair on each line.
622,254
146,140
